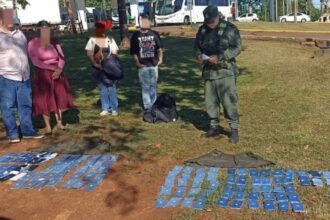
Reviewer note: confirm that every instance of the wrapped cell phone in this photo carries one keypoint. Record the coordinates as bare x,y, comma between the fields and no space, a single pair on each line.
205,57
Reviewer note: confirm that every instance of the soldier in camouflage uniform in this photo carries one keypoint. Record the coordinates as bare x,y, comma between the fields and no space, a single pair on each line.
217,44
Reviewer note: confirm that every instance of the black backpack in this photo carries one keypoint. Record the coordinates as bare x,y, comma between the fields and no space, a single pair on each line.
163,110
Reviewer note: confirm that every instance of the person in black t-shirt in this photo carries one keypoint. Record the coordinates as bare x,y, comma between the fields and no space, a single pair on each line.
147,52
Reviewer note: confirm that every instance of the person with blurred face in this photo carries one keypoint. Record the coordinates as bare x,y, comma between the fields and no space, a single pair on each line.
217,44
51,89
15,84
97,48
147,52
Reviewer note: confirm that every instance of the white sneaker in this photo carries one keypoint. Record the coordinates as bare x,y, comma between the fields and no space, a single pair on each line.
14,140
104,113
114,113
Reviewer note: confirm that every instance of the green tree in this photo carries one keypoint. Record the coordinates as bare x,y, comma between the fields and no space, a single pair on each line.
97,3
315,14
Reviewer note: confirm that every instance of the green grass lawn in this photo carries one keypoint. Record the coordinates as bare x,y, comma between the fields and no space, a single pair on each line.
312,26
283,103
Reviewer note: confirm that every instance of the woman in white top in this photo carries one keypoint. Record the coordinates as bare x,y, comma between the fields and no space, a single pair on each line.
97,48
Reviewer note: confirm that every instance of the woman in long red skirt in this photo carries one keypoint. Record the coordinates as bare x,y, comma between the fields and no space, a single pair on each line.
51,90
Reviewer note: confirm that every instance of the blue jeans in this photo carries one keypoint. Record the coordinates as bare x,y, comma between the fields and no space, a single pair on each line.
148,78
16,95
108,95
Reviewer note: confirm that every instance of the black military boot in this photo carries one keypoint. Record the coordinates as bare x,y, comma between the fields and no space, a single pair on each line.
213,131
234,137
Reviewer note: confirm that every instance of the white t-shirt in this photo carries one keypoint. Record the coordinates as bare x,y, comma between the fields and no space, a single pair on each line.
111,43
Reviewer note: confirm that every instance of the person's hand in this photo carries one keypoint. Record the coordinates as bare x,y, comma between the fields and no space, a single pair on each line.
56,74
213,59
160,62
97,65
200,60
140,66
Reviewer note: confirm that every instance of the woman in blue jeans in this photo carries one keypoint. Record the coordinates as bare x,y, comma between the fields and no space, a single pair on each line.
97,48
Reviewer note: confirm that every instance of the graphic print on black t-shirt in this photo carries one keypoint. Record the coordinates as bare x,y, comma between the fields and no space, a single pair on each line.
147,46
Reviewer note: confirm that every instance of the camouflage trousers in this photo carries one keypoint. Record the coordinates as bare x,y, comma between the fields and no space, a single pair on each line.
219,92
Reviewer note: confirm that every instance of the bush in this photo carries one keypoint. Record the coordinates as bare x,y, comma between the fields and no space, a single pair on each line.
315,14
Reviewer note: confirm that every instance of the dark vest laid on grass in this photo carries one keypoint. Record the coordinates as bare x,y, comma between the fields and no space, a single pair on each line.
163,110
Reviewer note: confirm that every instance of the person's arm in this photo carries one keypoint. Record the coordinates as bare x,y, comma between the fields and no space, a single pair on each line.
159,46
134,51
197,48
61,61
137,61
32,51
160,56
235,44
90,53
113,46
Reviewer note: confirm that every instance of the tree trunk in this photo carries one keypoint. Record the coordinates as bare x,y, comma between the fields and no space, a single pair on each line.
70,14
295,10
123,24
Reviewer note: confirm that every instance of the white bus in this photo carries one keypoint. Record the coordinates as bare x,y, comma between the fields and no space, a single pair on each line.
178,11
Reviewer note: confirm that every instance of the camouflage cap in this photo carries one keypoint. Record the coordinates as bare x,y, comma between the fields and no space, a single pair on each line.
210,14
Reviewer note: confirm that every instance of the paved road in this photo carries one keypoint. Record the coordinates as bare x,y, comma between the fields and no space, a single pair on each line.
186,31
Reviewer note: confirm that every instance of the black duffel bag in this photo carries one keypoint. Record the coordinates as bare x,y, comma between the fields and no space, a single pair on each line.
163,110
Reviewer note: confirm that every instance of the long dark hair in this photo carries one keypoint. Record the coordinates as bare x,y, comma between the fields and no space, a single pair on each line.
43,23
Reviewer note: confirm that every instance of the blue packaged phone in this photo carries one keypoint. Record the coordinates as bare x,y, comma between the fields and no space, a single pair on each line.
269,205
326,174
298,207
315,174
293,197
279,179
268,196
253,204
174,201
237,204
231,179
283,206
223,202
266,188
288,179
241,180
254,172
240,188
266,181
160,203
279,189
304,181
254,196
179,191
239,196
317,182
281,197
302,173
241,171
231,171
256,180
229,187
187,202
277,172
227,194
290,188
